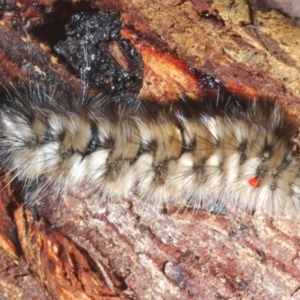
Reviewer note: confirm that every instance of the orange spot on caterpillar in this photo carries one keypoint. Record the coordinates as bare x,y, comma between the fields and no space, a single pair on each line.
254,181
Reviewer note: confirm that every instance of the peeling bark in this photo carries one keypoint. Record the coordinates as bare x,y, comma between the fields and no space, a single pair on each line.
81,249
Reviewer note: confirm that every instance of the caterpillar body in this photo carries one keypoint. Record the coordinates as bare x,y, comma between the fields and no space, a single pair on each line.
232,153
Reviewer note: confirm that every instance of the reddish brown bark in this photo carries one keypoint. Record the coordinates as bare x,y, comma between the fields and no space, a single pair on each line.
82,249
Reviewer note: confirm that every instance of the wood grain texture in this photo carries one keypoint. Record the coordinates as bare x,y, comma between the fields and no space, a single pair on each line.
80,249
222,40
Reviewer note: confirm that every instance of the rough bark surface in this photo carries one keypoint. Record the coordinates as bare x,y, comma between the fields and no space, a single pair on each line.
79,248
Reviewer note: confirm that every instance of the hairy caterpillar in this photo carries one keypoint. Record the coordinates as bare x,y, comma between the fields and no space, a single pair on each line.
232,153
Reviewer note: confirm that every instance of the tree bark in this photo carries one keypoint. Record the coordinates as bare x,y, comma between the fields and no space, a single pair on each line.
80,248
